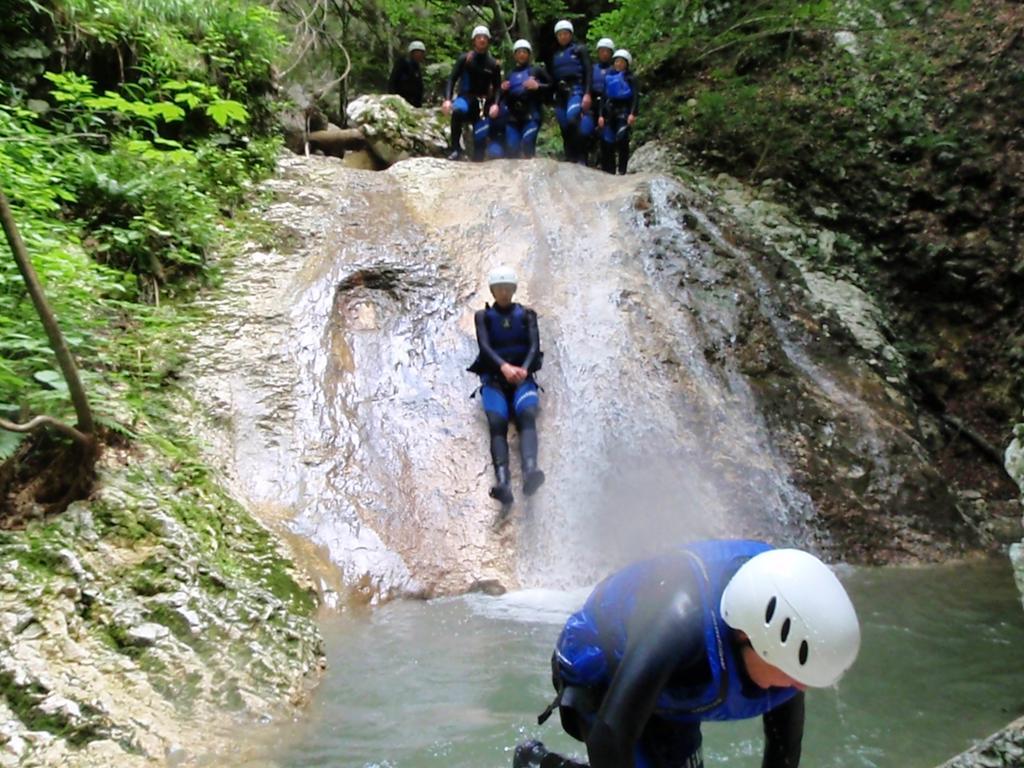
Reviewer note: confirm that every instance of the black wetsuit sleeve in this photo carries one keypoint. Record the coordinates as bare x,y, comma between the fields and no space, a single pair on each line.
634,104
396,73
783,734
483,339
588,71
540,74
665,636
495,93
453,78
534,335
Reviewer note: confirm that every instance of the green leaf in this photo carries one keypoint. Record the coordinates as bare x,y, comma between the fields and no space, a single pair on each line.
9,442
224,111
51,379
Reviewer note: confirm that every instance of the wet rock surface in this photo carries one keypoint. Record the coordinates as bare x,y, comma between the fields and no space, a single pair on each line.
698,380
125,642
1001,750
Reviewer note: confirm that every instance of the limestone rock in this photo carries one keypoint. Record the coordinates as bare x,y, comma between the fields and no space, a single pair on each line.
395,130
655,157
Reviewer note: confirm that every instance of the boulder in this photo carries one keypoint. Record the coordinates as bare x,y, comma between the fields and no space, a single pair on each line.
655,157
395,131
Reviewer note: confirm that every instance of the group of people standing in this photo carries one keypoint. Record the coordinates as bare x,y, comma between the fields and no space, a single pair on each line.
595,102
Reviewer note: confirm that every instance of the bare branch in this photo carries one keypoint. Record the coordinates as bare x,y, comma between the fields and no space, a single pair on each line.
46,316
46,421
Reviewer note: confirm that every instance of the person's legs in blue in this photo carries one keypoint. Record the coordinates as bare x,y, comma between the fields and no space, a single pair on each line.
495,402
525,402
529,146
513,139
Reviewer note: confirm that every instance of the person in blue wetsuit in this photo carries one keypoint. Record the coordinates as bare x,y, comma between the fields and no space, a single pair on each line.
715,630
599,70
477,76
521,96
618,112
570,71
509,342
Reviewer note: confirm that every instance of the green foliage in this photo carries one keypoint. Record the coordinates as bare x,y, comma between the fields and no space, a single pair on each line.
231,44
119,191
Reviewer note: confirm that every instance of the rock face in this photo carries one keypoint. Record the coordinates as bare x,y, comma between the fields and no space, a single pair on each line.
144,626
1001,750
395,130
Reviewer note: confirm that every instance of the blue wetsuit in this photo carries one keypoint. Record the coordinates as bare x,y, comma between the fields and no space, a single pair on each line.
571,72
478,76
509,335
649,657
514,134
621,99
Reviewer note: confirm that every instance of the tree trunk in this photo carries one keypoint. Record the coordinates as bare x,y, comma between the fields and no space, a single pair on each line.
60,349
499,19
523,20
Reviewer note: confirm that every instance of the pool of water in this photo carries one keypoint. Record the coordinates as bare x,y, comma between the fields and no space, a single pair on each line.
457,682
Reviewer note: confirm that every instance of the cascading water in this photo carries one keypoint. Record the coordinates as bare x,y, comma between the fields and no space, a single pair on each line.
688,391
340,393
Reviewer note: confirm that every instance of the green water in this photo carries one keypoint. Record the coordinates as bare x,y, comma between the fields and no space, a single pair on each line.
457,682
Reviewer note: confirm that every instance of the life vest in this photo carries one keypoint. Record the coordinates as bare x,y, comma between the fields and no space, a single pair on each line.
594,639
517,82
597,78
566,65
510,338
478,75
617,86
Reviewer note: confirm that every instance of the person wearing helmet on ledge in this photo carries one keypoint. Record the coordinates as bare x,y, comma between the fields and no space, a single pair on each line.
600,69
618,112
407,76
478,75
522,94
714,630
570,70
509,342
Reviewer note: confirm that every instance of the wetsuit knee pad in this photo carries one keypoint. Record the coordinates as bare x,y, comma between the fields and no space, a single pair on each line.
526,400
495,149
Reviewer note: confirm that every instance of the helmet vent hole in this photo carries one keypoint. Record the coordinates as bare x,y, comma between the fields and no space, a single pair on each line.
784,635
804,650
769,611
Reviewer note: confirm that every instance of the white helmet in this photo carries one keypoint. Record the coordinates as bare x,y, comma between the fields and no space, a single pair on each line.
502,275
622,53
606,42
481,30
563,24
522,44
417,45
796,613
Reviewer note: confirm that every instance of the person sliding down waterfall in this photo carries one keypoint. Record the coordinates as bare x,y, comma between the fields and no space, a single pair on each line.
509,356
714,630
